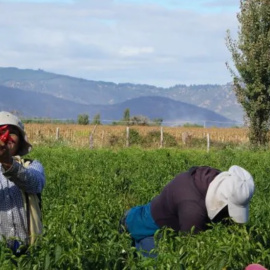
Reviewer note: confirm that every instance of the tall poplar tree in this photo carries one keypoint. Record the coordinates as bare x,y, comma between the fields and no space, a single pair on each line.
126,117
251,57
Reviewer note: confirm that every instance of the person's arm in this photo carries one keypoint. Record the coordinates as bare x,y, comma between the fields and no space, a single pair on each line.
6,159
30,179
190,214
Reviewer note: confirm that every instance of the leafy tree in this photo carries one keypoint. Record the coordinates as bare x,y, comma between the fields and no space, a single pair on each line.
139,120
126,117
251,57
96,119
192,125
157,121
83,119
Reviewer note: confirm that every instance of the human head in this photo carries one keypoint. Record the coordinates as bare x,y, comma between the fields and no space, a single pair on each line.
234,189
10,119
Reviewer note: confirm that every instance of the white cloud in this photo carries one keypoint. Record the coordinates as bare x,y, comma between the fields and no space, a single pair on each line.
119,42
135,51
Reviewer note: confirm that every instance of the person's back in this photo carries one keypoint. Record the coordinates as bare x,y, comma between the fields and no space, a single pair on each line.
181,204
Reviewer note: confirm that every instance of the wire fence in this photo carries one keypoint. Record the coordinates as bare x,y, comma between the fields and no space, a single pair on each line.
100,136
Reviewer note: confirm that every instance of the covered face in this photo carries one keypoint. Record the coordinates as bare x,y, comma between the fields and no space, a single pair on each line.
233,189
14,122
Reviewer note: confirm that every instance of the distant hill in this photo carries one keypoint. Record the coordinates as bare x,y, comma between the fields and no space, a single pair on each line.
173,111
217,98
74,89
32,104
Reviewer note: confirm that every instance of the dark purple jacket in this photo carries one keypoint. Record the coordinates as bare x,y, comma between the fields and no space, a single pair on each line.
181,204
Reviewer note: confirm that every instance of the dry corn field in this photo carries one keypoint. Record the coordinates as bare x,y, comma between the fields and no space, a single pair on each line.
106,136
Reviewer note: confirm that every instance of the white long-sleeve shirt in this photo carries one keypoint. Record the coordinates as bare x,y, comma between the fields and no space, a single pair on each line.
13,220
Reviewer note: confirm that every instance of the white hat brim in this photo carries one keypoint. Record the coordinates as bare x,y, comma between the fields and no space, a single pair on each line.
238,213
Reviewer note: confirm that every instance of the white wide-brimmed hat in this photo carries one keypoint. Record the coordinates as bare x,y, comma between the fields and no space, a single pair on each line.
7,118
233,188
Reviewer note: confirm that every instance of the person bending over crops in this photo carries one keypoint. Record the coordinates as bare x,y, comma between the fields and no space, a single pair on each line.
21,183
192,199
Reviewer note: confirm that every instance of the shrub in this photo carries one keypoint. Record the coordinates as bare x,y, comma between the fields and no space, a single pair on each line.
153,137
83,119
134,137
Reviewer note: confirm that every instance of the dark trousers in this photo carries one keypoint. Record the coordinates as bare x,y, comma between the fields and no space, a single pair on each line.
144,245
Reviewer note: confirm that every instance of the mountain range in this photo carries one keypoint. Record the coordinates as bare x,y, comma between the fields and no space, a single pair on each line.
41,94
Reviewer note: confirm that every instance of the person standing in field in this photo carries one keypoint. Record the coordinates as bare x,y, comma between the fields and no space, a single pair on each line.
192,199
21,184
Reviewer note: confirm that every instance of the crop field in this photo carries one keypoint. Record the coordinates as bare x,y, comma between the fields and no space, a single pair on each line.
103,136
87,191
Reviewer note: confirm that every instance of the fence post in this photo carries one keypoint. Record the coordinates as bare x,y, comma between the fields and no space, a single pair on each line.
102,138
161,137
57,134
91,139
208,142
127,137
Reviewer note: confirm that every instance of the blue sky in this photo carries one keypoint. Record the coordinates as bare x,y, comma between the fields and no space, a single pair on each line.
155,42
